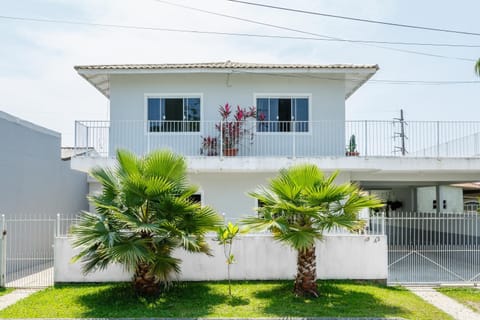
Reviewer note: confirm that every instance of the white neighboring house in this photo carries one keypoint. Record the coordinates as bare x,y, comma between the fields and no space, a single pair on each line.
35,179
300,118
36,184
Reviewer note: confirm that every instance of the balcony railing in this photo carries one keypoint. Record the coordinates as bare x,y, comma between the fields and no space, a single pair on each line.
419,139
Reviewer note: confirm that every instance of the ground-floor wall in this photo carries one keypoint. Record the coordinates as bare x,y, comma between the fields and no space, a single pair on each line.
258,257
227,192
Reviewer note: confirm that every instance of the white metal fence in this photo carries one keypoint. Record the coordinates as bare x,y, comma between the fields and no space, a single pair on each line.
422,247
276,138
27,257
433,247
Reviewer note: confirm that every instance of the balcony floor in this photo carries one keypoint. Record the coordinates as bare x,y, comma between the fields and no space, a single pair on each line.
360,168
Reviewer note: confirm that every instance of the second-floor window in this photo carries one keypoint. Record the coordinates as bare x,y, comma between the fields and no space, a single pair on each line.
173,114
282,114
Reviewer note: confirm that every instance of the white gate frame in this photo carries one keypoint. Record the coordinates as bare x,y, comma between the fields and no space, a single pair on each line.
3,253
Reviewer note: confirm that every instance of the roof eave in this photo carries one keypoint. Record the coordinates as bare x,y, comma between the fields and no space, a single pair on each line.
88,73
348,94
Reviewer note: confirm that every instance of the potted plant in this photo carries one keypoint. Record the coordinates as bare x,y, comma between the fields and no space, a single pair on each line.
209,146
232,127
352,147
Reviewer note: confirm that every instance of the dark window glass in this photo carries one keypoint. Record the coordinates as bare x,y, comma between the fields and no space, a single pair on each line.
154,114
173,114
262,115
192,114
196,198
284,114
277,114
301,114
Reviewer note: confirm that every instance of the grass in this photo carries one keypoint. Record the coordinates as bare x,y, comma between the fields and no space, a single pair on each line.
210,299
5,291
467,296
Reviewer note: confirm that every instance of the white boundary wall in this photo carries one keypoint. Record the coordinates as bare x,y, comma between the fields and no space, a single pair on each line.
258,257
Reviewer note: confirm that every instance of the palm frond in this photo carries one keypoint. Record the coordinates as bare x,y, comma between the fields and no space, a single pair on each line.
131,252
143,213
164,266
299,238
157,186
128,164
301,203
109,182
162,163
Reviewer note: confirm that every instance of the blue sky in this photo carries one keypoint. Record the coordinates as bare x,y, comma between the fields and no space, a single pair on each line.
38,83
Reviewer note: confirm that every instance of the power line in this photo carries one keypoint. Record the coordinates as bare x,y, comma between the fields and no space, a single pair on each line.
314,34
393,24
239,34
370,81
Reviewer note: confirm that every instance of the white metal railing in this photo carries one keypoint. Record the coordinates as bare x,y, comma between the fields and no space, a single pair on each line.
430,247
26,253
280,138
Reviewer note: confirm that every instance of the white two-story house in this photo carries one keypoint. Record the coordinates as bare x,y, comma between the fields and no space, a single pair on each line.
298,117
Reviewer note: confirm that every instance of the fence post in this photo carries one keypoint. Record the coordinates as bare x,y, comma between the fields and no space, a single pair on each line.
366,138
57,234
383,224
148,137
293,143
75,139
221,139
438,139
3,253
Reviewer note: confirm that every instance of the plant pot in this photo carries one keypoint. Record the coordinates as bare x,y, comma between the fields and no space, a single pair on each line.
230,152
352,153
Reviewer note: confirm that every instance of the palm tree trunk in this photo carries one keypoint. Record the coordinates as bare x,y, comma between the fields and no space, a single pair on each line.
145,283
306,279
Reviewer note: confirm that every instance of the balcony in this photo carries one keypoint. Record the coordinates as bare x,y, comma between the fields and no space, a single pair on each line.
289,139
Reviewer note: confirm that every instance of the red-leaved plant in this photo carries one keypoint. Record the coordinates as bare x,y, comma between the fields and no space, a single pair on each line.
234,130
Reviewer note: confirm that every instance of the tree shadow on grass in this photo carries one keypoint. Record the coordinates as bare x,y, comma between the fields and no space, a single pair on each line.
334,301
182,301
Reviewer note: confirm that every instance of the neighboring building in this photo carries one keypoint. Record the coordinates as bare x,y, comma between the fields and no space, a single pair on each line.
35,181
300,118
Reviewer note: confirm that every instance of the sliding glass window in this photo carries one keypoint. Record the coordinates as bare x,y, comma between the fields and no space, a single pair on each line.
173,114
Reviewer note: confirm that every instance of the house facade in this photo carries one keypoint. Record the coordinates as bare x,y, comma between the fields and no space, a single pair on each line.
289,114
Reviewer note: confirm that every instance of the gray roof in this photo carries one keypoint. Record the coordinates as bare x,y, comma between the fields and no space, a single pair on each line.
355,75
222,65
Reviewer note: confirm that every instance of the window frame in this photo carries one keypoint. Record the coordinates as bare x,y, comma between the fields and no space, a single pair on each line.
189,95
267,95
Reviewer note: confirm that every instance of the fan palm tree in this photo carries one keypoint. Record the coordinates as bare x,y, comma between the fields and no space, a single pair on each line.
144,212
298,206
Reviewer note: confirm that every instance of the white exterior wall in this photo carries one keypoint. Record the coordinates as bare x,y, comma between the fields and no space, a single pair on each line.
425,197
128,102
452,195
127,92
258,257
34,180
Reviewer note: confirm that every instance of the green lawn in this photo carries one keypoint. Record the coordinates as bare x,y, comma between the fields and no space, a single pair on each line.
5,291
467,296
202,299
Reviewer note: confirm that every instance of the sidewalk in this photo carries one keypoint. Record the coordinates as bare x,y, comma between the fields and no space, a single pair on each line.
444,303
12,297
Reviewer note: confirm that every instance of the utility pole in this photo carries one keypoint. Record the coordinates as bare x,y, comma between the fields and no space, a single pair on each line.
401,134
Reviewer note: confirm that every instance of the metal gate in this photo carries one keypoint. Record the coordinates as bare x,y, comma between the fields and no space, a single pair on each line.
28,252
433,248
